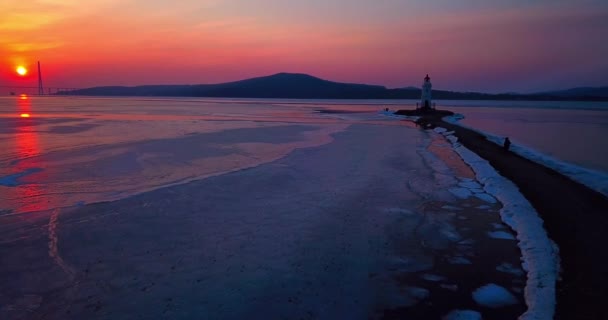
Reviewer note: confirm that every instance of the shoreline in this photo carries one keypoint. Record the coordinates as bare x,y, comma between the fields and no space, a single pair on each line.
574,217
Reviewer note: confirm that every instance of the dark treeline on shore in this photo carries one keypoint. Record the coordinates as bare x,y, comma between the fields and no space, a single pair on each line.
302,86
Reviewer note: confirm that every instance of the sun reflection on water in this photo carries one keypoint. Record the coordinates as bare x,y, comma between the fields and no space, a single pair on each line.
28,148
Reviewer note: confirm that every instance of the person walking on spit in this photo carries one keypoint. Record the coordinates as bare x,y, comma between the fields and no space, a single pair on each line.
507,144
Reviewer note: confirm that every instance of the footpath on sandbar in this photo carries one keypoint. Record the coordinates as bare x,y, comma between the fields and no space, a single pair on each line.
575,217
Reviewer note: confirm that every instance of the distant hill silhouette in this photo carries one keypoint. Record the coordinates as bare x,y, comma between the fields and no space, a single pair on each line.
303,86
580,92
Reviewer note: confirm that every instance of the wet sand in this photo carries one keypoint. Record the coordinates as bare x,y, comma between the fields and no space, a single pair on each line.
576,218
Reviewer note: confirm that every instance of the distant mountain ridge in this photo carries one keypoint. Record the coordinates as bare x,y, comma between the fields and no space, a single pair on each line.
580,91
303,86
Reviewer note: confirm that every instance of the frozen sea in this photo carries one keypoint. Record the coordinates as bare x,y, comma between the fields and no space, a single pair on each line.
123,208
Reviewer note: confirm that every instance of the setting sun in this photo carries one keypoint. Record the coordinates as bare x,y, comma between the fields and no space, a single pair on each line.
21,70
25,115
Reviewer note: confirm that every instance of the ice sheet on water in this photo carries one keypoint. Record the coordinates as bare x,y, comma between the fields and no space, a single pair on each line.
493,296
501,235
443,177
462,315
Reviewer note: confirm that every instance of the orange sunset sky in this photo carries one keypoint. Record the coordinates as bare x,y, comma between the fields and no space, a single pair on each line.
474,45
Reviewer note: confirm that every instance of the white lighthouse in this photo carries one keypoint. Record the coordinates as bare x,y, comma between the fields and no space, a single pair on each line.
425,102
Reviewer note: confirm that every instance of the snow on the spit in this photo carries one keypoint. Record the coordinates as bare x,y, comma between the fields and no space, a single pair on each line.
494,296
593,179
391,114
539,253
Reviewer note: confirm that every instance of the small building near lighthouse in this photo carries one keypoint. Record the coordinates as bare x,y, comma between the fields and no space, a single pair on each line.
426,102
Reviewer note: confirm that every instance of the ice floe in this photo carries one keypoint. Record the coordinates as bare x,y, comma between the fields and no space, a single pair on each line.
462,315
510,269
493,296
397,297
452,139
459,260
417,293
451,287
432,277
501,235
448,231
466,242
391,114
498,226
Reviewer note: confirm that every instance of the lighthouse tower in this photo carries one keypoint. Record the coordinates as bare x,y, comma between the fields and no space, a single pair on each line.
426,103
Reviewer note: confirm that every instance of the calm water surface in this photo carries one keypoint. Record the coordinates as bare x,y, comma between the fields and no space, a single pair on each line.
61,151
